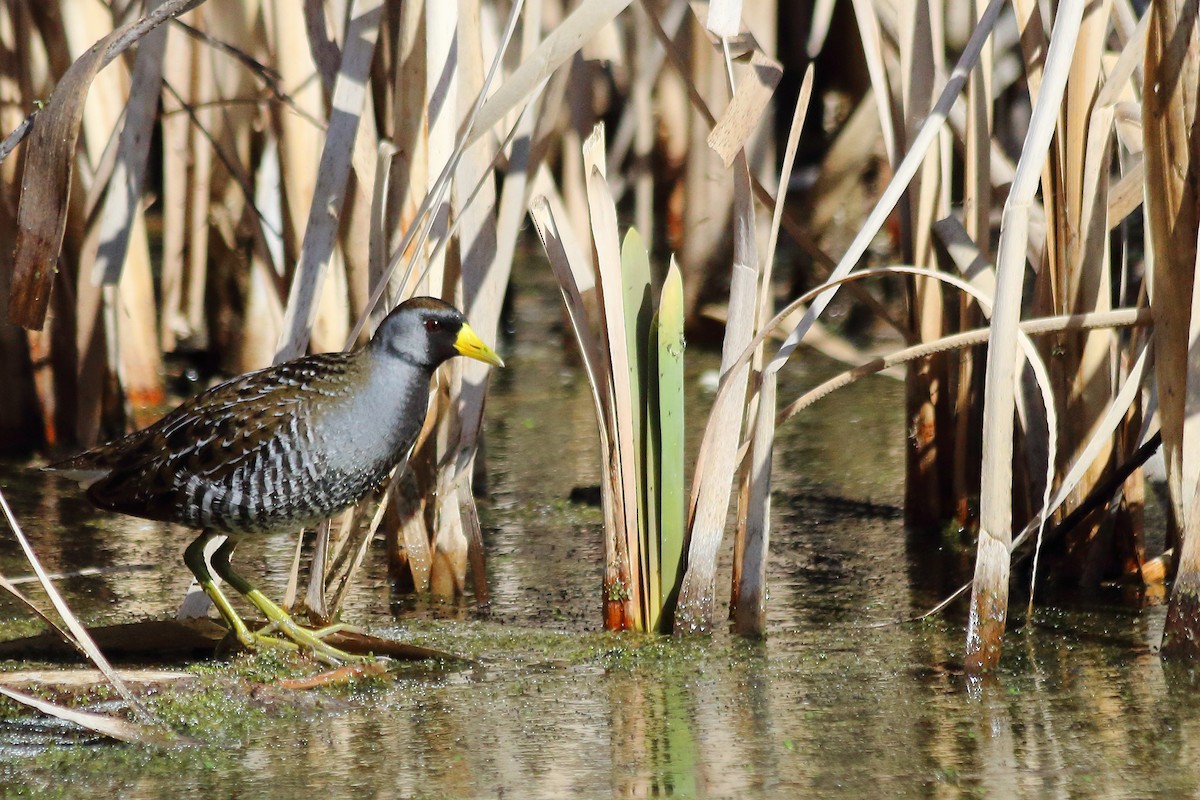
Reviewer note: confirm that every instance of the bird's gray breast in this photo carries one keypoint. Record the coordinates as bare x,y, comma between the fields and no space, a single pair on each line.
323,461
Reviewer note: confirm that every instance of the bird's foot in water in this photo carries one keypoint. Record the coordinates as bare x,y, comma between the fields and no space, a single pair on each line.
307,639
313,641
255,641
327,630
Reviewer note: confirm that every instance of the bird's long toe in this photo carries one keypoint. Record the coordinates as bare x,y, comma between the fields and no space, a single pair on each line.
312,641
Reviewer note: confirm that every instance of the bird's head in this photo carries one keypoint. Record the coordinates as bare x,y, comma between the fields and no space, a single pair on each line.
426,331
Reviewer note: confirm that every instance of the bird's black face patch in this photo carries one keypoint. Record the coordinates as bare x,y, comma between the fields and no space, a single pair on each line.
421,331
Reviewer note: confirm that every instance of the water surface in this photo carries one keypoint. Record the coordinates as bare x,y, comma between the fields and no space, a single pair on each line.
830,704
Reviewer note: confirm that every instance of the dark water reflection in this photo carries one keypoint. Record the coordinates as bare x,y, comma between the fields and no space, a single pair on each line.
826,706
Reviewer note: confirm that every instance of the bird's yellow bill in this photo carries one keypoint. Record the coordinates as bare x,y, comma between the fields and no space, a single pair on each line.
471,346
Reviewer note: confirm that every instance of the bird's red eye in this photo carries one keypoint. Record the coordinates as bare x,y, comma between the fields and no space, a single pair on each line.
433,325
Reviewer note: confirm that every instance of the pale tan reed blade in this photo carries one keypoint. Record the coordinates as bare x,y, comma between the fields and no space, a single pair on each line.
608,270
595,365
904,173
320,233
79,634
113,727
1117,318
821,17
1115,415
562,43
125,190
989,596
753,543
714,470
741,117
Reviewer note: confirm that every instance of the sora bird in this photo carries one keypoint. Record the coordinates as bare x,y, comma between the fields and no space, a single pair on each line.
281,448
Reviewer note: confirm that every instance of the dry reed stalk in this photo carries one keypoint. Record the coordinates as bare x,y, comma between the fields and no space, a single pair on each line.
1105,428
299,141
1123,317
443,272
18,405
1079,272
410,179
408,549
202,92
262,300
581,79
642,108
927,412
176,134
704,246
977,207
593,352
753,540
121,201
443,65
559,45
871,37
79,637
320,232
989,594
228,209
1121,92
605,238
668,105
360,242
714,474
1172,158
113,344
122,254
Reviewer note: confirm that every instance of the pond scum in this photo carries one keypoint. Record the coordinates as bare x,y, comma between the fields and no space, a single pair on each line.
1012,196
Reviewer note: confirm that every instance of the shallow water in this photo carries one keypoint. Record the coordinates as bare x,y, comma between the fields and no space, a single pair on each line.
827,705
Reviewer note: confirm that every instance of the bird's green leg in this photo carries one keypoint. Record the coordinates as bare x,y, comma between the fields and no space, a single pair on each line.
193,556
322,632
279,618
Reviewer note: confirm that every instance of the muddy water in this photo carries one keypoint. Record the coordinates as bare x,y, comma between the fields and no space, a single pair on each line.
830,704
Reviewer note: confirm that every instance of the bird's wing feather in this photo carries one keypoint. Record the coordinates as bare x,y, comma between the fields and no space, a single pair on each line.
208,438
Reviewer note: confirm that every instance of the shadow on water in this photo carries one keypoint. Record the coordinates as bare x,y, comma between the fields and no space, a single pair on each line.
829,704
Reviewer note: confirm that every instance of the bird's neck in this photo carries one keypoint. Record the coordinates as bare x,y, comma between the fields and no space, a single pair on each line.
395,396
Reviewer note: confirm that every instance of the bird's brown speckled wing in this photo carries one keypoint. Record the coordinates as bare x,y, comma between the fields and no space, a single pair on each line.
219,459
